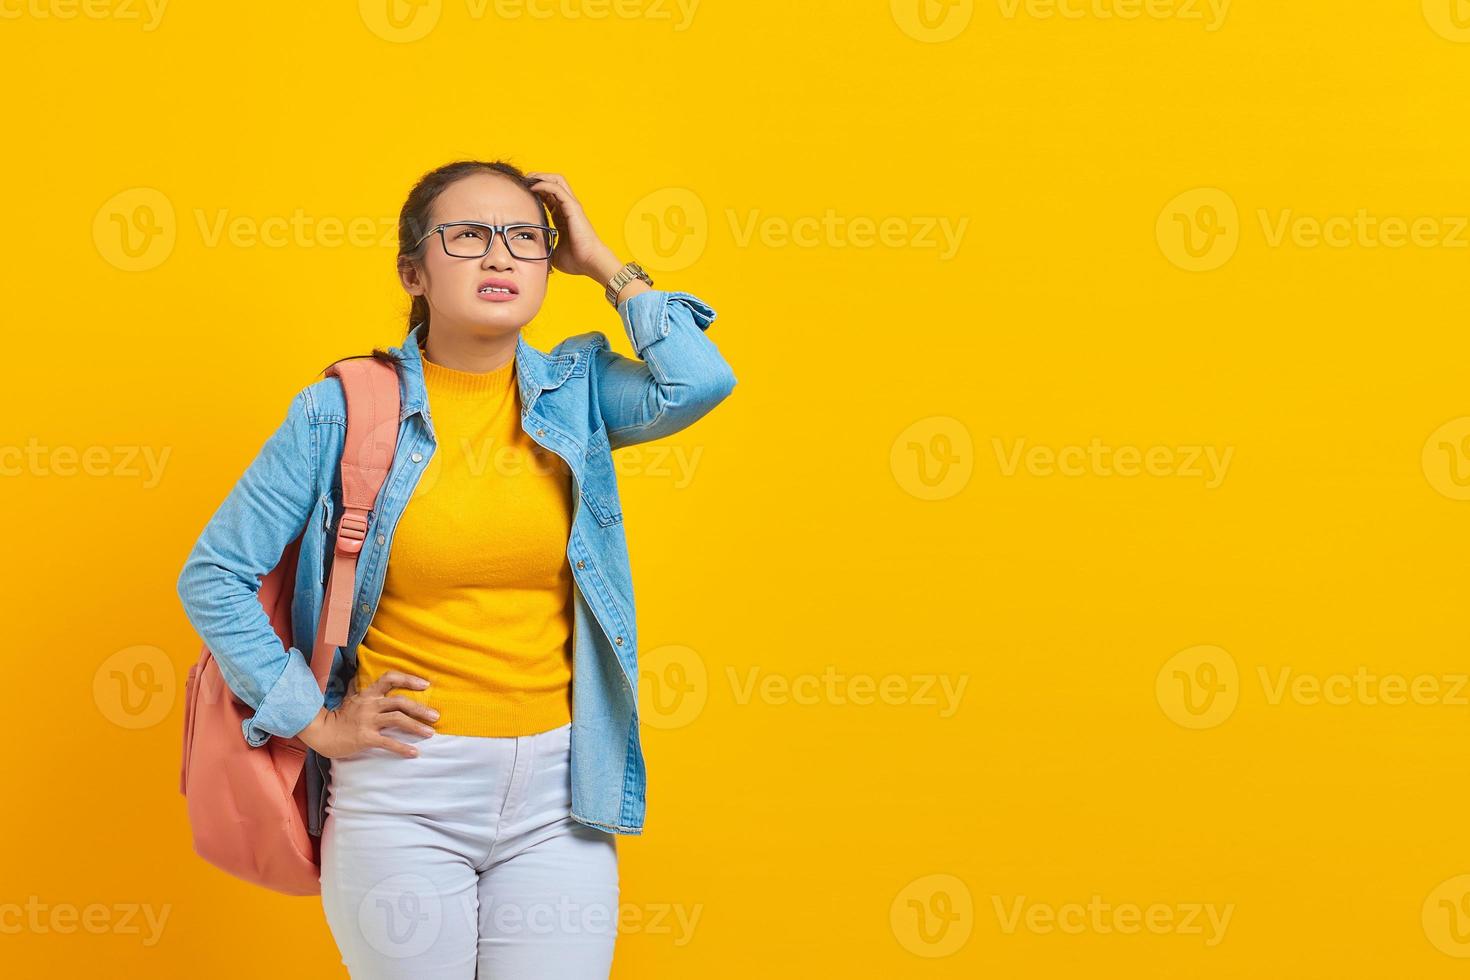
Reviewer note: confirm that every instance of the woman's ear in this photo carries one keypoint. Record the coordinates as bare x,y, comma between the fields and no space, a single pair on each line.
411,277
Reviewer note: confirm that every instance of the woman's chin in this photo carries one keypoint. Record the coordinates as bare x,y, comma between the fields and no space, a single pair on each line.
497,320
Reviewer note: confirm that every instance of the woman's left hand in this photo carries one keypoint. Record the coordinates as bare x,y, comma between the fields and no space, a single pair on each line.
578,252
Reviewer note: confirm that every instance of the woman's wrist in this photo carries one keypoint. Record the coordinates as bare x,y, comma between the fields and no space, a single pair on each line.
604,267
313,727
608,266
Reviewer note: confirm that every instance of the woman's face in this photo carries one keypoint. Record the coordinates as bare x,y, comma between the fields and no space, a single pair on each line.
453,286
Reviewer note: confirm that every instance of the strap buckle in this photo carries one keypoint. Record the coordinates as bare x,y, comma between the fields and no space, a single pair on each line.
351,532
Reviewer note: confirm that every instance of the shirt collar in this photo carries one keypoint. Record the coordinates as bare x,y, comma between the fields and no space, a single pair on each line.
536,371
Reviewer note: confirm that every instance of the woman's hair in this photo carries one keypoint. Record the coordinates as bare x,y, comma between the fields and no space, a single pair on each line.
414,220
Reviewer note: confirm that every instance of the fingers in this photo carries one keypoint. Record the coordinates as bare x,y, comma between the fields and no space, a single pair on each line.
556,195
553,184
393,745
399,720
400,703
395,679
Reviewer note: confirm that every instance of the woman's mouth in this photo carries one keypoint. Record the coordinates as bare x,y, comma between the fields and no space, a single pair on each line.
496,290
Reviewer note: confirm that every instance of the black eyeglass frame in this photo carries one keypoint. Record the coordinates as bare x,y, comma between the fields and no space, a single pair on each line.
504,231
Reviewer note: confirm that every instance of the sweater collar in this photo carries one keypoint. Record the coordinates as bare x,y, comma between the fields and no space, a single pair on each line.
536,371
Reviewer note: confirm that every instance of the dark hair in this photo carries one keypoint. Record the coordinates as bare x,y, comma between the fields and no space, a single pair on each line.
414,220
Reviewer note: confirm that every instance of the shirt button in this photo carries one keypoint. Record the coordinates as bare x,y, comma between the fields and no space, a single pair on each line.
618,640
363,607
581,563
541,432
417,457
381,539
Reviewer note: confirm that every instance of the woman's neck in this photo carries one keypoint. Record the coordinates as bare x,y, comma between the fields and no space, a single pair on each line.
476,355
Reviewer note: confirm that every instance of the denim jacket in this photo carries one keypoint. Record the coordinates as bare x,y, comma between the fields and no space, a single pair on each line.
580,400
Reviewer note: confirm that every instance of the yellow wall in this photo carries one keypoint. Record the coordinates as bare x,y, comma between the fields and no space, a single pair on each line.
1073,585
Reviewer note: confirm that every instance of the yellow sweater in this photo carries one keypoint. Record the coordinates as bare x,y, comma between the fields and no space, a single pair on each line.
478,595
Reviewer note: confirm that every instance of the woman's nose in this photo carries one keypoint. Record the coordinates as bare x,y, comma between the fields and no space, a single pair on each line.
499,256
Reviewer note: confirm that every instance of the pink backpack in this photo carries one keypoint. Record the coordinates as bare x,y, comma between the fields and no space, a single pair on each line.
247,804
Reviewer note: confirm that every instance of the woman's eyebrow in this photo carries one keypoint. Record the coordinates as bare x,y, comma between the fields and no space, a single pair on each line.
508,221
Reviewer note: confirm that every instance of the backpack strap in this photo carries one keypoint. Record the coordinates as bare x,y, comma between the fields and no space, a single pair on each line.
373,404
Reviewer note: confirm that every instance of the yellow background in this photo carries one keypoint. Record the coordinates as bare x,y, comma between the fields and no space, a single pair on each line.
854,503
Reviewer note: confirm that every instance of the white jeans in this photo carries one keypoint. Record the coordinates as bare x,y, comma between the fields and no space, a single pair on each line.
466,858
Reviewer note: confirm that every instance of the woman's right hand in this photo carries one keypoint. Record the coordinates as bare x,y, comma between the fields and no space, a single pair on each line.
356,723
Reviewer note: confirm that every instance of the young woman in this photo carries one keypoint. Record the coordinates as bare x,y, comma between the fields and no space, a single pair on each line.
479,740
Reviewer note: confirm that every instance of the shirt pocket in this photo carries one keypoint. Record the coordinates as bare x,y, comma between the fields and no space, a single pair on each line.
325,516
600,482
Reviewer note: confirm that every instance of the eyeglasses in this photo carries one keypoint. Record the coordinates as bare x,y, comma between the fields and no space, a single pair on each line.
472,239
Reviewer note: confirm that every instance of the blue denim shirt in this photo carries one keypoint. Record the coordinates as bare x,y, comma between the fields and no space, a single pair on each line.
580,400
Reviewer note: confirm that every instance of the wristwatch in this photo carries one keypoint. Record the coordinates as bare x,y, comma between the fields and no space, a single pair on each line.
622,277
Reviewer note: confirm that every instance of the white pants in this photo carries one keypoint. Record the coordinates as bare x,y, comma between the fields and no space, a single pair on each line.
464,859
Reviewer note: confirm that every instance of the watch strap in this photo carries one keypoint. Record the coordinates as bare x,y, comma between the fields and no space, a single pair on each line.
622,277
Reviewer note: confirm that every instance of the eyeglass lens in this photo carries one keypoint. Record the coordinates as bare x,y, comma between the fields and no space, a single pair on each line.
470,241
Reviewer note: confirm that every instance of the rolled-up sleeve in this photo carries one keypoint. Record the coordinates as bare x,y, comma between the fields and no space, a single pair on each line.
290,704
219,585
646,315
681,374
